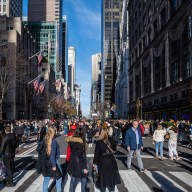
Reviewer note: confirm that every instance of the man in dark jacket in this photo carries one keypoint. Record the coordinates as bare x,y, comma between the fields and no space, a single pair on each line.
134,143
8,146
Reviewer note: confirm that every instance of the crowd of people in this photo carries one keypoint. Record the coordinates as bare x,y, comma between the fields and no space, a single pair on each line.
81,134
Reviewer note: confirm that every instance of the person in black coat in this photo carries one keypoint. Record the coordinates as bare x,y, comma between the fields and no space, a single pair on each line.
77,167
8,146
105,162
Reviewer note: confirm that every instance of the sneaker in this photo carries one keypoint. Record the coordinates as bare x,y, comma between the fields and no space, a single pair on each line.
156,157
143,170
178,158
162,158
171,158
129,169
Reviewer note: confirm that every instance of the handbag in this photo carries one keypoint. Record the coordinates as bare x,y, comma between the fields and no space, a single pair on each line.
167,136
58,174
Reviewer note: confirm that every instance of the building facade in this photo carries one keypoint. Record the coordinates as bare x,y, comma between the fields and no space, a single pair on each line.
45,34
19,102
77,92
121,87
96,84
111,14
160,62
48,11
71,70
64,68
45,10
11,8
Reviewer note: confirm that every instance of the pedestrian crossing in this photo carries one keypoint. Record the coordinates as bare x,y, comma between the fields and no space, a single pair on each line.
132,181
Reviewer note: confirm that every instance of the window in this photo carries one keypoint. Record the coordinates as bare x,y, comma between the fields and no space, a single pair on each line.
4,8
183,94
175,96
171,97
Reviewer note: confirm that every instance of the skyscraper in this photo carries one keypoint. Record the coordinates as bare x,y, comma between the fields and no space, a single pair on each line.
95,93
71,69
11,8
45,14
64,48
111,13
45,10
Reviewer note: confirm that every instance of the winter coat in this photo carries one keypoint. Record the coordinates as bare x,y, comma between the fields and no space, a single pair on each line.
108,174
68,147
130,139
78,161
8,146
19,130
44,162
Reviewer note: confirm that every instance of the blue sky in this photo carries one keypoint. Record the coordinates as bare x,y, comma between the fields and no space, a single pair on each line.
84,33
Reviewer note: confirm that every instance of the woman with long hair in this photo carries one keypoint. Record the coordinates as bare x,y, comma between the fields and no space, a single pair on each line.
48,165
77,167
172,143
105,162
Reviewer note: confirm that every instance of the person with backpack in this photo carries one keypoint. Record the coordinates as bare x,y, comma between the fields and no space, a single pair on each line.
48,156
8,146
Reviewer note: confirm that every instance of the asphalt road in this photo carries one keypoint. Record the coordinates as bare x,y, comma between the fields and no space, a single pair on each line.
167,175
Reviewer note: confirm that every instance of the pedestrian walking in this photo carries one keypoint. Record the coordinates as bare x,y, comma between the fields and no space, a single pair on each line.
158,138
77,167
172,143
104,161
8,146
19,132
48,156
134,144
90,134
70,133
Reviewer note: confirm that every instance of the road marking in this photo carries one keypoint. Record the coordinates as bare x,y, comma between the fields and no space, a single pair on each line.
133,181
29,150
164,182
29,145
20,178
66,185
183,176
37,185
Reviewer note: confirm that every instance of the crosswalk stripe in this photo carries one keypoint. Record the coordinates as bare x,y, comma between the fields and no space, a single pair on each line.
183,176
37,185
133,181
23,174
164,182
67,181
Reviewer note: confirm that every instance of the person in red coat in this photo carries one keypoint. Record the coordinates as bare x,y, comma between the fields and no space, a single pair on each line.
70,133
142,128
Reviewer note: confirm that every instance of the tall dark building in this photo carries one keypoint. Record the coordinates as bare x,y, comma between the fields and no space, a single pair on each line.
64,48
111,14
160,59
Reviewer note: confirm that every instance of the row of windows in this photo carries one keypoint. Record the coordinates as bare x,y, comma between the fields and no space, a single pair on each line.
3,8
163,100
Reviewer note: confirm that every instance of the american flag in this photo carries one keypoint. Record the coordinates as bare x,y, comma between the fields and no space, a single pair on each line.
42,87
39,58
36,84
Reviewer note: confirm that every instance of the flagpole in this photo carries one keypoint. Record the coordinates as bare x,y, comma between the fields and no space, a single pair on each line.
34,55
56,97
35,78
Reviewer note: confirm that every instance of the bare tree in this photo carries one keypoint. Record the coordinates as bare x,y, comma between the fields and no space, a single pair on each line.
7,72
15,71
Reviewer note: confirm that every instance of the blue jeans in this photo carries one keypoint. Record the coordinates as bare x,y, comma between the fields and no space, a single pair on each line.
159,145
58,182
75,181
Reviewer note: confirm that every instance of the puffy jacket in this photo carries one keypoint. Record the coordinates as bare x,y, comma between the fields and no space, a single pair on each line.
130,139
78,160
8,146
